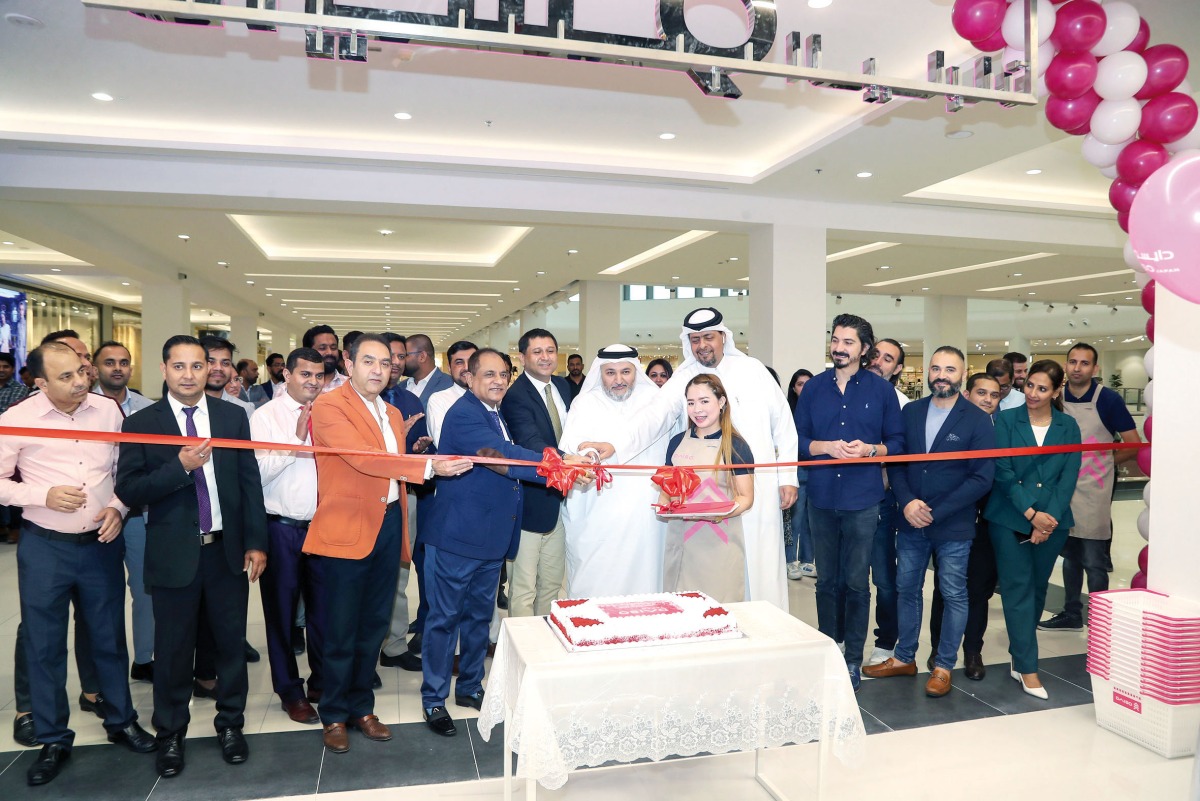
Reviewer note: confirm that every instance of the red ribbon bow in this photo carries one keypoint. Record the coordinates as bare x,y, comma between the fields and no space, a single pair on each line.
678,483
560,475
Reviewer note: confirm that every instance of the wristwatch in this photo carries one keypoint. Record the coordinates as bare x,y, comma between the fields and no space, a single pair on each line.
874,450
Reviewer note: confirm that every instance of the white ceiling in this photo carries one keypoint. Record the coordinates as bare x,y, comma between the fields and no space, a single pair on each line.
192,104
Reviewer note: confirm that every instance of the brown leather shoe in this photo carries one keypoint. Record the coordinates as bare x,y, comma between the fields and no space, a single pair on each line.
938,684
372,729
890,667
336,739
301,711
975,670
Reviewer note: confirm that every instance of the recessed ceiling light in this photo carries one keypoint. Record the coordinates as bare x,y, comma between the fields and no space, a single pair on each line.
124,283
184,237
572,252
281,303
863,175
516,289
250,283
1128,298
387,297
666,135
885,266
1017,275
733,258
541,272
674,277
924,289
104,97
402,115
269,295
55,270
387,267
1032,293
222,264
386,231
10,243
1033,172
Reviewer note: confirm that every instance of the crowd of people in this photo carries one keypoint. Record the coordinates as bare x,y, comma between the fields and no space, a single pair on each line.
369,479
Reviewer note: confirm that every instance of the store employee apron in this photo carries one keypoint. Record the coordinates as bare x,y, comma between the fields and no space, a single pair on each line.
703,555
1091,506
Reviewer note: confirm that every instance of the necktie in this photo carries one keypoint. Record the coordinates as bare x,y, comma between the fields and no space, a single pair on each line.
555,420
202,499
494,419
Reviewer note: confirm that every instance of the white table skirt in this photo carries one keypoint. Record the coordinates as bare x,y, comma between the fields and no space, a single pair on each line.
783,682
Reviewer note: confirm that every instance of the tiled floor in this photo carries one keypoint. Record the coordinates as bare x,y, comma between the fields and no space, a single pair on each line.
978,734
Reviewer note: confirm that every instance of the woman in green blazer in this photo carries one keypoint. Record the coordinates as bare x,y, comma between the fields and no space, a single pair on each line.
1029,511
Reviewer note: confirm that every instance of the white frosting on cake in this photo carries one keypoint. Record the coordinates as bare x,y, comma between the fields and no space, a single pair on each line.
624,620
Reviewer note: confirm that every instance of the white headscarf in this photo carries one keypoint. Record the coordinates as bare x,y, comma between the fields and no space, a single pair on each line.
706,319
611,355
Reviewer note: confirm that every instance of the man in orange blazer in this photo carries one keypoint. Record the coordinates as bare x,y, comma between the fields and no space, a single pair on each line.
358,533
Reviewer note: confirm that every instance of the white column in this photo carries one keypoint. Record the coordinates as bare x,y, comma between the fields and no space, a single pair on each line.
165,313
1174,546
531,318
787,298
243,332
1018,343
945,324
599,316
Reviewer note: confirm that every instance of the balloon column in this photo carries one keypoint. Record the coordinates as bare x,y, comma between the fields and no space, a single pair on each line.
1132,105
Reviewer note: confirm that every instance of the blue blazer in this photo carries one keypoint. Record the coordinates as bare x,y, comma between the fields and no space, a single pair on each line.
1045,483
524,410
478,514
951,488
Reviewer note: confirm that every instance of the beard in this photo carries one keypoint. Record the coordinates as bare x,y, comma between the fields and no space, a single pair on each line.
944,389
619,398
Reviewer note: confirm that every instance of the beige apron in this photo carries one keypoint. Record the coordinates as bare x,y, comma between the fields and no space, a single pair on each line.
1091,506
702,555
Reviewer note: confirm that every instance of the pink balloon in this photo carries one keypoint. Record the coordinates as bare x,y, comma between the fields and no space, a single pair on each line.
1165,226
992,43
1082,130
1168,117
1148,428
1058,2
1071,74
1121,194
1079,25
1144,559
1138,582
1142,39
1166,67
1148,299
1123,220
976,20
1149,326
1139,160
1143,460
1071,114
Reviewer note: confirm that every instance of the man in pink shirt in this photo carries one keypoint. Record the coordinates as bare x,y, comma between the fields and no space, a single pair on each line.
71,547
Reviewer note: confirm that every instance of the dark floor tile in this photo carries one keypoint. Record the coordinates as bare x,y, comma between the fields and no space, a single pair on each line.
280,764
98,772
872,724
414,755
1071,668
901,703
489,755
1000,690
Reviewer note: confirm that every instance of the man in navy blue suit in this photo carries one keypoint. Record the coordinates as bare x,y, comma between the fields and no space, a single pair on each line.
535,410
475,524
938,505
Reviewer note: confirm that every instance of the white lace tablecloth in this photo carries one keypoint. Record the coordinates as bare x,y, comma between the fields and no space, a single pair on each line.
783,682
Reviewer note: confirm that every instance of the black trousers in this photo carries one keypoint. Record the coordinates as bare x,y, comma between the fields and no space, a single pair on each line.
223,596
981,586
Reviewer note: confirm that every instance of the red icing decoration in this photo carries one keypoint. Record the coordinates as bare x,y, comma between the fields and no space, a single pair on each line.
716,611
580,622
567,604
690,594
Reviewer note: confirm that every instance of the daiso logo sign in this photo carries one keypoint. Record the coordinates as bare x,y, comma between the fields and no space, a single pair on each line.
1127,701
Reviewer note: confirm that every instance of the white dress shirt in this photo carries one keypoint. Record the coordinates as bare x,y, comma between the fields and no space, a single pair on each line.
435,411
289,478
378,410
540,386
419,386
203,430
1014,399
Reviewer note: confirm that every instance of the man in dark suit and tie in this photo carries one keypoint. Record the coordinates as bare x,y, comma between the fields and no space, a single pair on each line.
937,501
534,409
475,524
206,535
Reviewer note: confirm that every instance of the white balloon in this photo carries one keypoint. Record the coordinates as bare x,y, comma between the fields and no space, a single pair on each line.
1041,90
1143,524
1013,27
1101,154
1146,493
1131,259
1120,76
1148,360
1109,171
1142,279
1190,141
1121,29
1046,53
1115,121
1148,396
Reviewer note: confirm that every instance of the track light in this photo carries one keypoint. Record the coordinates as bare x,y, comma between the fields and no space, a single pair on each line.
1049,308
898,301
1074,309
838,300
1114,309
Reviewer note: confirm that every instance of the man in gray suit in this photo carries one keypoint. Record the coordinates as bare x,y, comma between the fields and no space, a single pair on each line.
423,374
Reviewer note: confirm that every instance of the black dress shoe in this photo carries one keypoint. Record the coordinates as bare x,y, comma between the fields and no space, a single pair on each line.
169,761
142,671
252,654
23,730
97,707
200,691
475,701
233,746
973,667
502,600
48,764
297,640
376,683
414,644
135,738
440,722
405,661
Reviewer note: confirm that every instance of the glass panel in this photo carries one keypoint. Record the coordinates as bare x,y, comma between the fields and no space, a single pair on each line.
47,312
710,292
637,292
127,329
686,292
662,293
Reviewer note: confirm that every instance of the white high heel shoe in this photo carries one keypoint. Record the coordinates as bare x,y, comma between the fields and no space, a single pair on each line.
1036,692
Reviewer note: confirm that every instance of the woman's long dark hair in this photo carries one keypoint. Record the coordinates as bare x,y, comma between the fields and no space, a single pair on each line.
793,398
1052,370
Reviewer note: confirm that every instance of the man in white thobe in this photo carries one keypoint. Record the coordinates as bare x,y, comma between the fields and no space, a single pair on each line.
614,541
763,418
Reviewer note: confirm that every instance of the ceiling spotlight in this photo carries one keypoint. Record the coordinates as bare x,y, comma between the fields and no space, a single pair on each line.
124,283
572,252
541,272
387,267
838,300
924,289
184,237
863,175
402,115
386,231
733,258
1033,172
1114,309
249,283
8,243
1070,323
898,301
222,264
1031,294
884,267
1049,307
516,289
1023,306
103,97
1074,309
666,136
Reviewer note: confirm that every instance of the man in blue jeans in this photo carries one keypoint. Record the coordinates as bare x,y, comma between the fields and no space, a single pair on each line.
937,500
847,412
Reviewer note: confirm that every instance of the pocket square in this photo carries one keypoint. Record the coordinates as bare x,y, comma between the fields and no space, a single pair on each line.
952,438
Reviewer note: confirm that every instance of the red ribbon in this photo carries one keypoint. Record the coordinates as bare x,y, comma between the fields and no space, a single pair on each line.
678,483
558,474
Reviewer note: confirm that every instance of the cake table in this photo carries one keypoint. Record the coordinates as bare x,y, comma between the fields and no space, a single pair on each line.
783,682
